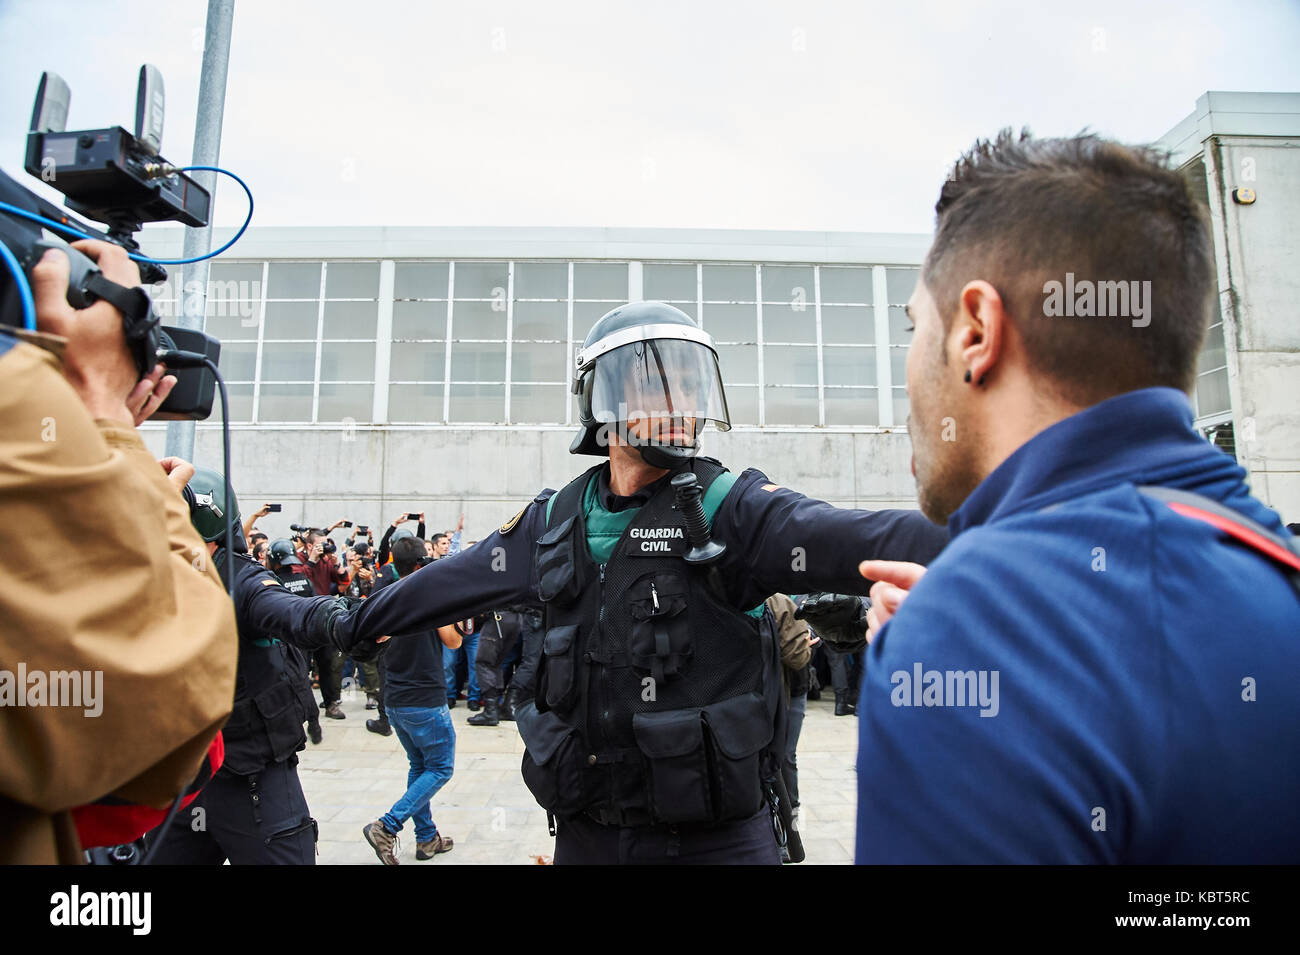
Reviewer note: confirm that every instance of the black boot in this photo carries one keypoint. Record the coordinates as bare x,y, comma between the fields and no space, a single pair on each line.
490,715
380,726
843,705
514,697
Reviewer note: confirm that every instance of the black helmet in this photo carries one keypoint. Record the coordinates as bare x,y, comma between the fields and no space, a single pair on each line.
282,554
647,360
206,496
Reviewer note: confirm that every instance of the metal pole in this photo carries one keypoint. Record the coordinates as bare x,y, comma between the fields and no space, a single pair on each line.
207,152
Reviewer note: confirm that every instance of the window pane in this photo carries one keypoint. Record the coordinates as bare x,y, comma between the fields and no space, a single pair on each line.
351,279
481,280
228,319
537,404
852,406
241,403
285,403
900,284
849,366
237,362
600,281
294,280
1212,392
541,280
742,403
790,405
788,284
902,407
541,320
585,315
849,285
351,319
352,403
668,283
535,362
1213,354
417,361
479,361
292,361
788,365
228,275
347,361
731,323
419,320
422,403
291,319
848,324
898,366
899,324
229,298
478,320
420,280
739,363
486,403
790,323
728,283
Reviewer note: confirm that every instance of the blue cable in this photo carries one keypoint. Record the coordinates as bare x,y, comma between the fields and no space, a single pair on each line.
136,257
24,290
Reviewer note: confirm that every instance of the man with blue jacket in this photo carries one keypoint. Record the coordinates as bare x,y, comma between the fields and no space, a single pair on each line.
1090,672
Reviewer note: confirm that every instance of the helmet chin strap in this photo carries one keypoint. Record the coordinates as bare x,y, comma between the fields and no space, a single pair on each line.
668,457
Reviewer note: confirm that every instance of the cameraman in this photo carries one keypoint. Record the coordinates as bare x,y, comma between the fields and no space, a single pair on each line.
134,612
326,575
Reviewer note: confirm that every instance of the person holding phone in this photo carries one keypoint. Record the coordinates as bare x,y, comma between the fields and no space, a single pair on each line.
386,541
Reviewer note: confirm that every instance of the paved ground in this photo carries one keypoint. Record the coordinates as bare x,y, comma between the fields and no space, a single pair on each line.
354,776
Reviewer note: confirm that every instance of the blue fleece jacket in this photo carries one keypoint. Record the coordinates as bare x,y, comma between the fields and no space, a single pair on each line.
1084,675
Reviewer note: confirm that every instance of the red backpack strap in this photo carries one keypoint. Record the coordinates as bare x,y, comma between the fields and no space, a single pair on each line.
1283,549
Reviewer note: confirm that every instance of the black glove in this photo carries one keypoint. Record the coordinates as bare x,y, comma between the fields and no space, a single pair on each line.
839,619
323,627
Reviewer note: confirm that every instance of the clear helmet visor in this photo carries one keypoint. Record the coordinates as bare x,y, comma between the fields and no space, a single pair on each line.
670,386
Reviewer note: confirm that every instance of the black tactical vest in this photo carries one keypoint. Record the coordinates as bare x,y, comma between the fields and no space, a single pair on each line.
655,698
271,693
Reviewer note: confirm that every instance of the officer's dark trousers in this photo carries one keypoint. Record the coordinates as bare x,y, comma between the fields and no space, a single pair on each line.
583,841
329,674
251,820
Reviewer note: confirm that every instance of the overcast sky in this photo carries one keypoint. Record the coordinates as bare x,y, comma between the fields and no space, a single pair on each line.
765,115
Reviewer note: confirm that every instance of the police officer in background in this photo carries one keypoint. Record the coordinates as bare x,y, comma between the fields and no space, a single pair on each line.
281,559
517,628
253,810
658,694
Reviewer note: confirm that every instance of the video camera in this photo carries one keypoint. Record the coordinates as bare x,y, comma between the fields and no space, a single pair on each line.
117,178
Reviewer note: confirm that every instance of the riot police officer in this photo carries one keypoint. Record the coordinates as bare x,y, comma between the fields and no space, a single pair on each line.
253,810
651,735
505,632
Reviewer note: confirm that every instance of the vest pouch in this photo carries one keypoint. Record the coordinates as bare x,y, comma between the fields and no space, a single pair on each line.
738,729
558,679
660,641
553,765
282,719
556,561
672,743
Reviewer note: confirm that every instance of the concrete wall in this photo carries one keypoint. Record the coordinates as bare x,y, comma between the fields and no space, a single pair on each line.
369,476
1257,249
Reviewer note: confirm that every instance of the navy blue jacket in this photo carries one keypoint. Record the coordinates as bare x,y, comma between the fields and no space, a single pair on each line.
1146,707
778,541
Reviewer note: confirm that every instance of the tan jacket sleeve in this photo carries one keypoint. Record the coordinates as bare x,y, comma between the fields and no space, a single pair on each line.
795,651
110,589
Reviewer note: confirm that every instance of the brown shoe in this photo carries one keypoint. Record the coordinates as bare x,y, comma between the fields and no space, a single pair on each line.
335,712
427,850
382,841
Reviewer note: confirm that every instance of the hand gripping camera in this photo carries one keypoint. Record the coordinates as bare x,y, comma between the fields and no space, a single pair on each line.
117,178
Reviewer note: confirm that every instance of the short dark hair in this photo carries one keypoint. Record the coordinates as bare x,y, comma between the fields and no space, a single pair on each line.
407,553
437,537
257,536
1021,213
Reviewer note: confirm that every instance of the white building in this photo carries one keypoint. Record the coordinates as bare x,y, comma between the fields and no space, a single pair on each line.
377,371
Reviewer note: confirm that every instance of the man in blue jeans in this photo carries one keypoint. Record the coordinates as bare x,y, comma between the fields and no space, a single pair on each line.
415,698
